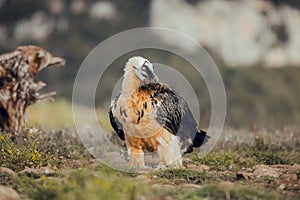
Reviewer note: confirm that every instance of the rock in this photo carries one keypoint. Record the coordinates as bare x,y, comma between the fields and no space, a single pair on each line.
294,168
242,33
178,181
204,167
187,160
248,170
191,166
143,178
282,168
198,167
7,171
264,170
46,171
289,177
227,173
155,177
7,193
281,187
243,176
34,173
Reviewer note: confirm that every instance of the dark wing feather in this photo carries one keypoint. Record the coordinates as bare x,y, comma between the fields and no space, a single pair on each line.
169,111
174,115
189,130
168,107
117,126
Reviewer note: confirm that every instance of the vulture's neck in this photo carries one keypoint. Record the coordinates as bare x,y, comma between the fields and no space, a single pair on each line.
130,83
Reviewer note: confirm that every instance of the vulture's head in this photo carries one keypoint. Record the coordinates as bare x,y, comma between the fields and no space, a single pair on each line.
142,69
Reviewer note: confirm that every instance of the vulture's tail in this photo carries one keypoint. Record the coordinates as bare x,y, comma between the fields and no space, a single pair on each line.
201,138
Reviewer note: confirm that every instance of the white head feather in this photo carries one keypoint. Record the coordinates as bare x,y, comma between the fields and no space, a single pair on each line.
141,67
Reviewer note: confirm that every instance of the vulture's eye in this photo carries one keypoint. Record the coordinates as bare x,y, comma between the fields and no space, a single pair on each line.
144,68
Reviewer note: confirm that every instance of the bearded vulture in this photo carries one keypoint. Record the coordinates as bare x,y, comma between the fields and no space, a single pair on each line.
150,116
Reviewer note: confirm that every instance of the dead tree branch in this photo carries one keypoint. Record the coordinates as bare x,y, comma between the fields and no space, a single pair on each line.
17,87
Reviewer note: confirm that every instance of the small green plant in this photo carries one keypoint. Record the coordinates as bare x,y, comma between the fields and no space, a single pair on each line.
190,176
222,192
83,184
222,161
64,151
35,148
20,151
274,157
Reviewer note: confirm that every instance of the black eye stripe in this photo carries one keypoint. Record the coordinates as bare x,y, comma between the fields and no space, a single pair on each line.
148,72
145,70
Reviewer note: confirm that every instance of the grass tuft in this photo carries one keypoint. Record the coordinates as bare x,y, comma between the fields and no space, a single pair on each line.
34,148
20,151
83,184
190,176
222,161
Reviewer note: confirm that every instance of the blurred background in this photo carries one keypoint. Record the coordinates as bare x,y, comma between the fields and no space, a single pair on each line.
255,44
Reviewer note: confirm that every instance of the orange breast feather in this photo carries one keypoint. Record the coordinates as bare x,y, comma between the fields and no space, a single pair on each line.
149,143
138,119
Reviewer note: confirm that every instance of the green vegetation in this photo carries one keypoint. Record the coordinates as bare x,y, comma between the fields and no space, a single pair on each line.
87,184
222,161
255,95
83,184
20,153
190,176
273,158
61,108
221,192
237,155
34,148
76,175
235,161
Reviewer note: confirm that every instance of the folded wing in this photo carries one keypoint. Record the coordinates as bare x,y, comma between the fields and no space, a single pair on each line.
173,113
117,126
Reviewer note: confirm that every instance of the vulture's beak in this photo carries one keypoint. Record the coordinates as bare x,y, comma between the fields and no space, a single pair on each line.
155,78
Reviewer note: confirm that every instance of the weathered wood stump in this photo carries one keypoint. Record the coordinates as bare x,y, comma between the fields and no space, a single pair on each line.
18,90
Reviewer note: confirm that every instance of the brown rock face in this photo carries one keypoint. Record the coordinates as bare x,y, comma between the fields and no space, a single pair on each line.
7,193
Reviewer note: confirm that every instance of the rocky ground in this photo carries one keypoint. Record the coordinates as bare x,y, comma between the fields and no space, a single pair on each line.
36,166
